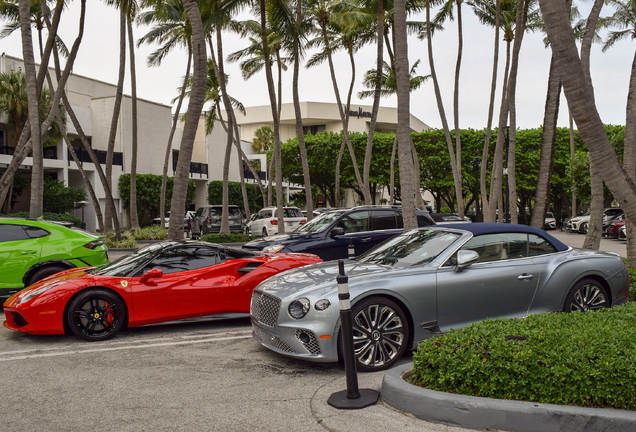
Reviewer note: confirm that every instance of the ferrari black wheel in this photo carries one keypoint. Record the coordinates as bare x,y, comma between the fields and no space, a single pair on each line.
380,333
586,295
96,315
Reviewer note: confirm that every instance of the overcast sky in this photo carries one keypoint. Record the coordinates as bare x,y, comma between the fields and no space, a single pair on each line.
99,56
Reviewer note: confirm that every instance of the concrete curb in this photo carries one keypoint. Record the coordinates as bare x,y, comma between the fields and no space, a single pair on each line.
481,413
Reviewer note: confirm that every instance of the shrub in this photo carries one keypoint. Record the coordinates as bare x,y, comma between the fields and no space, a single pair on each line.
225,238
127,241
57,198
149,194
153,232
46,216
582,359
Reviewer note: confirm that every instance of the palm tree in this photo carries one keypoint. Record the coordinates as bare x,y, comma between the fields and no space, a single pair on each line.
171,29
404,130
134,218
321,13
388,89
445,13
195,105
23,146
454,153
624,19
582,105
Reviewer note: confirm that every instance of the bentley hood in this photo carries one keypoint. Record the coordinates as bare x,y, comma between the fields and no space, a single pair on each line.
318,279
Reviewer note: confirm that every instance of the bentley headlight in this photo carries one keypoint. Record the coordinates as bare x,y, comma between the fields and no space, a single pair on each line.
36,292
273,248
299,308
322,304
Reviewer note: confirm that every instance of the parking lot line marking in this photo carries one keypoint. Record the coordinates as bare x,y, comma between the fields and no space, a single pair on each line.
127,342
33,356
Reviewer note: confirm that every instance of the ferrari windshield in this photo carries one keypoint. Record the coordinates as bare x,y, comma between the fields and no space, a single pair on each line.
320,222
411,248
126,264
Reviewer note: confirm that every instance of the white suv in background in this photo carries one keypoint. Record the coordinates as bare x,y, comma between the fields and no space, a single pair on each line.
266,221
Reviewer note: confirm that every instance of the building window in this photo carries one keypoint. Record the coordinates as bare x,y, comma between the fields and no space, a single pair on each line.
313,129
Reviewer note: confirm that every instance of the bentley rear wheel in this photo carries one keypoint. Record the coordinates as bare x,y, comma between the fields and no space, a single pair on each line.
380,333
96,315
586,295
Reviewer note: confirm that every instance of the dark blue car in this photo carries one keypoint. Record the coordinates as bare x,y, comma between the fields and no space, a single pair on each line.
330,235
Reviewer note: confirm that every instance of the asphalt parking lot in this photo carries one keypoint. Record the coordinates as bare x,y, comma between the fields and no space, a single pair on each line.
205,374
200,375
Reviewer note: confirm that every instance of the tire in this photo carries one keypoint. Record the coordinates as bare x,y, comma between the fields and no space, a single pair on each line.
586,295
377,345
96,315
264,232
583,228
45,272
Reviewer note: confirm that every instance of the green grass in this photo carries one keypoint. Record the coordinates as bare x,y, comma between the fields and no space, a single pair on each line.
580,359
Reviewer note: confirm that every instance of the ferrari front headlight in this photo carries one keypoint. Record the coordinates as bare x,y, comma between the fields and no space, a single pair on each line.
36,292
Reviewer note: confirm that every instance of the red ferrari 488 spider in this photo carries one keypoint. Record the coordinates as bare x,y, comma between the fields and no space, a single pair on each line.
161,282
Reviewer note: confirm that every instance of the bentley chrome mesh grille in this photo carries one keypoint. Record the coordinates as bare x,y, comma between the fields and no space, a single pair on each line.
309,341
265,308
271,340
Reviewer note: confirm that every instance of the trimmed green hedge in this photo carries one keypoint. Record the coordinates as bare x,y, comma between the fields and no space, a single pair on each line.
46,216
225,238
581,359
632,281
152,232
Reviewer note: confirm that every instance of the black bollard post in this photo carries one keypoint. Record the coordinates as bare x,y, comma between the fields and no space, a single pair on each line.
352,398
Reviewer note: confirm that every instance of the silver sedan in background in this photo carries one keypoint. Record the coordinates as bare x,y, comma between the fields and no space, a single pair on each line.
424,282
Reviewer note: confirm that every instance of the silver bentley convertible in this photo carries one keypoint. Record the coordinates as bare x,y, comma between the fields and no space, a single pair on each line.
424,282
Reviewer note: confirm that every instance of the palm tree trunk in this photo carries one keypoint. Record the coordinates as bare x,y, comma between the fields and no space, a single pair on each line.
225,214
520,28
496,176
458,141
35,208
457,180
629,158
195,105
376,105
23,147
572,153
166,160
343,117
392,175
404,129
299,118
134,218
548,144
581,103
488,214
111,218
345,125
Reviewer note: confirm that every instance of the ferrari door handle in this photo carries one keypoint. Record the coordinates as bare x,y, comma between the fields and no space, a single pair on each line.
525,277
28,252
367,239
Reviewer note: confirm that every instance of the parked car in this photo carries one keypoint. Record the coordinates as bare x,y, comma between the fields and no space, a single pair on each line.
549,221
447,218
614,226
427,281
580,223
161,282
31,250
337,233
622,233
266,221
186,221
207,220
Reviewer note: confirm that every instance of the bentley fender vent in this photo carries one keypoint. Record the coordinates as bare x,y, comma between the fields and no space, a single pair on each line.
431,327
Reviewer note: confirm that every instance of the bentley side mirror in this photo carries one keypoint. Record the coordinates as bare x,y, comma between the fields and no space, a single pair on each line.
465,258
337,231
151,274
